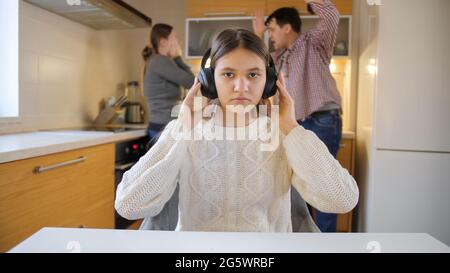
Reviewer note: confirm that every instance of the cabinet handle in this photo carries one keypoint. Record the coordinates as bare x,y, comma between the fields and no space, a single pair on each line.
342,145
41,169
224,13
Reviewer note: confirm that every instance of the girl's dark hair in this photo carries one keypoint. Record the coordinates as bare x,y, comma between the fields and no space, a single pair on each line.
158,31
285,16
230,39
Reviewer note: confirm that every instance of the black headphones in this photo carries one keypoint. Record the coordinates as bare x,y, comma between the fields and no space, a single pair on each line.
208,85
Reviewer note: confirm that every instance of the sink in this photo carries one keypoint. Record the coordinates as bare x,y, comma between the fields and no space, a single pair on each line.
84,133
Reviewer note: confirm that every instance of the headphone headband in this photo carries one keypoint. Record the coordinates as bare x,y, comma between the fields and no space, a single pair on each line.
207,55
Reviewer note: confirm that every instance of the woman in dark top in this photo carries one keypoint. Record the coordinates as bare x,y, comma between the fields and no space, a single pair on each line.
164,74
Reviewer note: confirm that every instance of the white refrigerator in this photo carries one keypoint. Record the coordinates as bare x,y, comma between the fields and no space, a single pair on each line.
403,127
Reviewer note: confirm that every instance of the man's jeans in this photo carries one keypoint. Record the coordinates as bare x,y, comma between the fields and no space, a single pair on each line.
327,126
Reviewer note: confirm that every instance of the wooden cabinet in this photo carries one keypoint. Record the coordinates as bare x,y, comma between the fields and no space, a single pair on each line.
207,18
200,32
205,8
346,157
75,189
344,6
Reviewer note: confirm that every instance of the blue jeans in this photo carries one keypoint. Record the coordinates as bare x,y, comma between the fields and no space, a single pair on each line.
327,126
154,130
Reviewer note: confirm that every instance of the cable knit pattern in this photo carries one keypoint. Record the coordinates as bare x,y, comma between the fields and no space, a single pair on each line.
232,185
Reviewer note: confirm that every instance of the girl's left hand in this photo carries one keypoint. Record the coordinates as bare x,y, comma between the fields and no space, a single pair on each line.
287,110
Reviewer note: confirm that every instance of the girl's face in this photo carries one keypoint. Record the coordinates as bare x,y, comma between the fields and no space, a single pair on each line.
240,76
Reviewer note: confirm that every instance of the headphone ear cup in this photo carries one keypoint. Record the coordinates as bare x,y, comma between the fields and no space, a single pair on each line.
270,88
208,86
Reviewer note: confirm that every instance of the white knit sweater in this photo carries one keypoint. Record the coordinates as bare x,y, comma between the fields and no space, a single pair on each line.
231,185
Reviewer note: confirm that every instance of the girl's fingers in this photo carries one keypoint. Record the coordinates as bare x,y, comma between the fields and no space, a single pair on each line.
284,94
190,96
281,89
194,89
281,78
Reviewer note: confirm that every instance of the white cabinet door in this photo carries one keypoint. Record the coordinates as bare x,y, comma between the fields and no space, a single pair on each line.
413,88
410,193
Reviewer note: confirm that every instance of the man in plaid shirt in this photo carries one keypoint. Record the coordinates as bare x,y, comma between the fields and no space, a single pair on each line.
304,59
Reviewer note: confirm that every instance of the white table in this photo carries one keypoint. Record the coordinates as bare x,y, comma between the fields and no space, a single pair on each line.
104,240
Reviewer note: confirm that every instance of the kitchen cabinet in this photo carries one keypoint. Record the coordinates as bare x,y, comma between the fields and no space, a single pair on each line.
346,157
205,8
72,189
200,32
343,38
344,6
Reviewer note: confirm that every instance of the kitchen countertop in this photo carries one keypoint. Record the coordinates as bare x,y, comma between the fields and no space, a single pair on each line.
60,240
27,145
348,134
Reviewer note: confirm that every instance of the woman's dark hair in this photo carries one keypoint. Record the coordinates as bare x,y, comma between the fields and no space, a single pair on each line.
285,16
158,31
230,39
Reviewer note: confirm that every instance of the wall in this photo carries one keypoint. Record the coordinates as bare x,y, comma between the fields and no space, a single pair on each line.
65,69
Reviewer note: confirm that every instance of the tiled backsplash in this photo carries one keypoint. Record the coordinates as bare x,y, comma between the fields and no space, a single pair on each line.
65,69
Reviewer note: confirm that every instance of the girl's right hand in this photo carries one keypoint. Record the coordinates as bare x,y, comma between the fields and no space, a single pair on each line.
191,108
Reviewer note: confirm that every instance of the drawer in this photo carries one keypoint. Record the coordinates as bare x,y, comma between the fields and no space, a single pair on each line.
73,189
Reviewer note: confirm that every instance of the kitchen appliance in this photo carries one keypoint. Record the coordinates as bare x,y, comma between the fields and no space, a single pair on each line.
97,14
136,108
127,154
134,113
403,131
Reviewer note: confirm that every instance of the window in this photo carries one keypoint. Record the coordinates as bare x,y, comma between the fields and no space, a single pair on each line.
9,59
